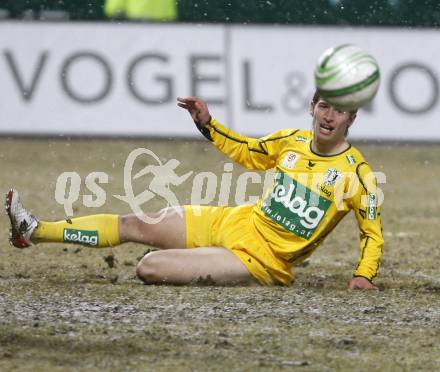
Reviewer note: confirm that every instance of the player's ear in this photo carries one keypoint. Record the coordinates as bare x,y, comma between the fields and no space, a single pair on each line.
311,108
352,118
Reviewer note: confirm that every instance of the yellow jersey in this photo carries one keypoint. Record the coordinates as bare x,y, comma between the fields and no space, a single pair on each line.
310,195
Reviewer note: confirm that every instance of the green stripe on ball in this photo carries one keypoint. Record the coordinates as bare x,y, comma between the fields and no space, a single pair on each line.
350,89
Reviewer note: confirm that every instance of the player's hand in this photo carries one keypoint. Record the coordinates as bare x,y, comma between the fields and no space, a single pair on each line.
197,108
359,282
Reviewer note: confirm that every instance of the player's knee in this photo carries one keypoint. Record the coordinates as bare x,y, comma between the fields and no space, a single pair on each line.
149,268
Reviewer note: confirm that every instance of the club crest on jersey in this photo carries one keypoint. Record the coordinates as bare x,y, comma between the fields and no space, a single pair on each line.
290,160
332,176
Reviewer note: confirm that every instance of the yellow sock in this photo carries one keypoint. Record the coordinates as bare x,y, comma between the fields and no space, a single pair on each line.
100,230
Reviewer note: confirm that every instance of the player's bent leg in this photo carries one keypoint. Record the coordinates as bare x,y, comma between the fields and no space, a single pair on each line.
165,229
212,265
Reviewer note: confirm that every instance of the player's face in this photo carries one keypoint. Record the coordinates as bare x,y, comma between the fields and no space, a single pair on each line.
329,123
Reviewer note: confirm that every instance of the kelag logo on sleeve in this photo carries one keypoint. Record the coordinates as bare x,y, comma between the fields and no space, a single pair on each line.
294,206
372,206
85,237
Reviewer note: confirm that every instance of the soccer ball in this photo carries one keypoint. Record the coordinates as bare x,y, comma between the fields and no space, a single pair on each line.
347,77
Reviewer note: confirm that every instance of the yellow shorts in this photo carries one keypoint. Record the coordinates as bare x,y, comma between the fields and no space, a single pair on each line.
233,228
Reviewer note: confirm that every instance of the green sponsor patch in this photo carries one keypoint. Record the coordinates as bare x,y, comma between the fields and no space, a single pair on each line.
372,206
294,206
84,237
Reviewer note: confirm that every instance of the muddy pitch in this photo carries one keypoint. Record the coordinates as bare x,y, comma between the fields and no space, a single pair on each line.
65,307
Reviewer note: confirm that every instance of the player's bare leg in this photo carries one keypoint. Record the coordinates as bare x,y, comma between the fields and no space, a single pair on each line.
211,265
168,232
175,264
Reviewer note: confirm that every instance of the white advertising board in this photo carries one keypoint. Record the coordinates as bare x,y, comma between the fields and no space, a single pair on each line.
123,79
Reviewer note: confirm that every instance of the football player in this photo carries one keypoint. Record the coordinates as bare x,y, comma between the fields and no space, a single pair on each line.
320,177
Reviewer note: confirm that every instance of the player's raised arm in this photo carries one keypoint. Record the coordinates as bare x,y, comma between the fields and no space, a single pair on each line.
252,153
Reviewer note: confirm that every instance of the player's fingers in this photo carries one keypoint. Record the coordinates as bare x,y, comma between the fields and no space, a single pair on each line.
187,100
354,285
187,103
182,100
359,286
367,285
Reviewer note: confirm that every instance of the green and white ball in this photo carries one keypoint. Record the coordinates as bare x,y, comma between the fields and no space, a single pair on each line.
347,77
